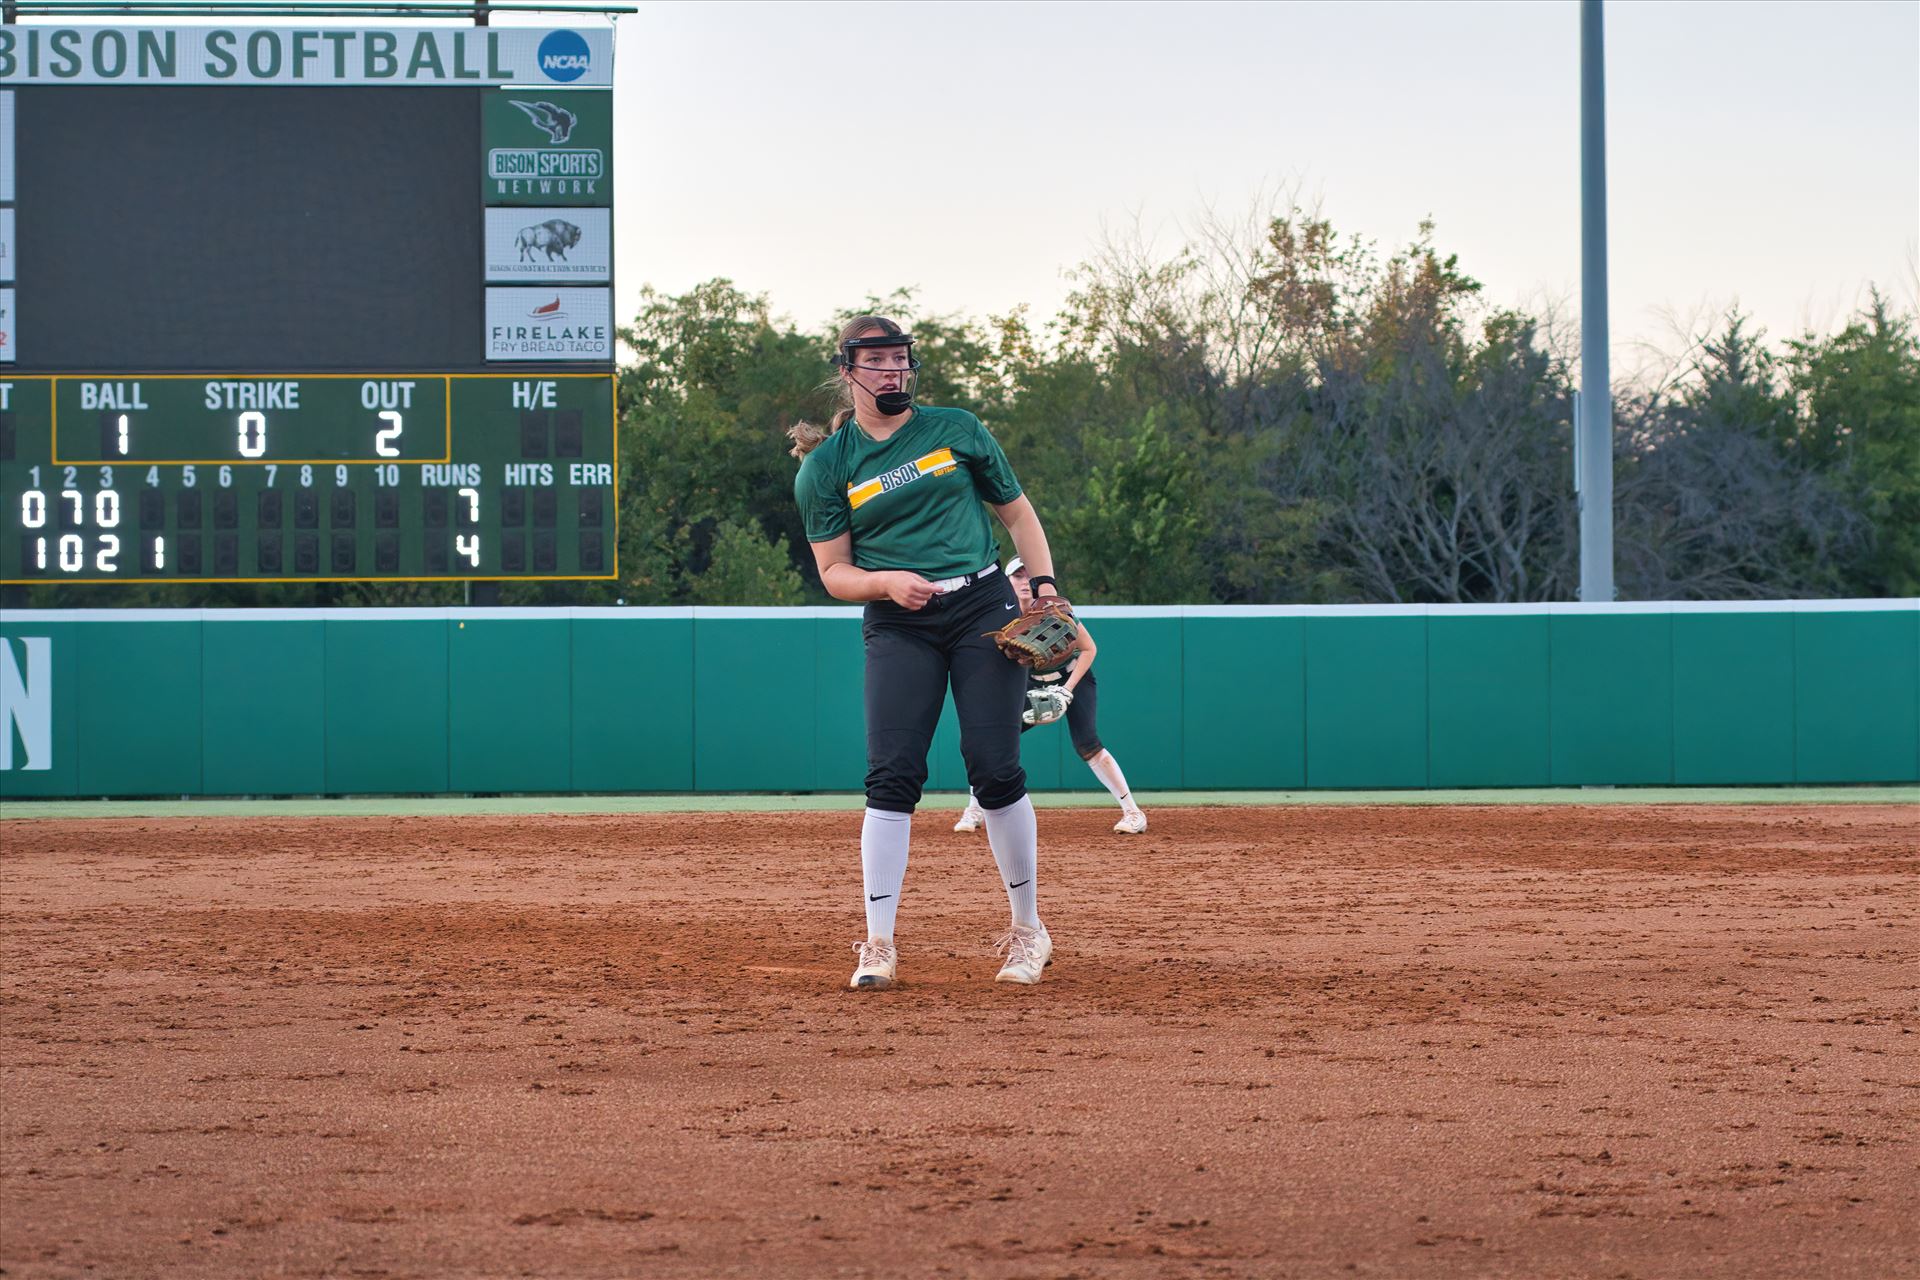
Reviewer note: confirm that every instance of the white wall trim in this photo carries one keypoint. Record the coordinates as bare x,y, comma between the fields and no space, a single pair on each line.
654,613
18,618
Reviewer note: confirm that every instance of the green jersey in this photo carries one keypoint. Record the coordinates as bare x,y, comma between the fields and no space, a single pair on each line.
913,500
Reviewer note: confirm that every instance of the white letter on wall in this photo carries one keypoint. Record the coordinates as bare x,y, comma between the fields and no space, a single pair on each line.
26,702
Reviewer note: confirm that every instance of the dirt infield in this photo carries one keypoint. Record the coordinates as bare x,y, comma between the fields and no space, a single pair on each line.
1274,1042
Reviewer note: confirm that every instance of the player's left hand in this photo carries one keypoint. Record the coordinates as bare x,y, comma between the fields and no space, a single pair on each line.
1044,635
1044,706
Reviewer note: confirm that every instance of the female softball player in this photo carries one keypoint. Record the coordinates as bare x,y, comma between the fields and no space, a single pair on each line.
894,497
1081,697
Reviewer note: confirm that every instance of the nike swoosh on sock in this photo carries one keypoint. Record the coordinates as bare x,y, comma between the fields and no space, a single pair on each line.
875,897
1028,880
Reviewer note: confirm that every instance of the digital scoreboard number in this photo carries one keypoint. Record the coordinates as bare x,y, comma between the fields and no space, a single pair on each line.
307,476
356,326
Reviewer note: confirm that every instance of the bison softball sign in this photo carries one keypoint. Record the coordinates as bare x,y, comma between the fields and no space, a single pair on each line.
292,56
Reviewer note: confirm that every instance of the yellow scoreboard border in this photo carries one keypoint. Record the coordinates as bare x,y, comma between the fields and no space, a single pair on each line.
613,390
446,446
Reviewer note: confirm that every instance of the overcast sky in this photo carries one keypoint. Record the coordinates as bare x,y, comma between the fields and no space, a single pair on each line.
1759,153
1764,153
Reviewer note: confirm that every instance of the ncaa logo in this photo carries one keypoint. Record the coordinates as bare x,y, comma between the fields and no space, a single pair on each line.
563,56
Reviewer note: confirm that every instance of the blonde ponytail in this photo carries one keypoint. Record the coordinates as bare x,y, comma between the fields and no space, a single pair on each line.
807,437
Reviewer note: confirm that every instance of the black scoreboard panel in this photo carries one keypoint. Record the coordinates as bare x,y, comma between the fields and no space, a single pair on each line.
191,227
303,476
259,332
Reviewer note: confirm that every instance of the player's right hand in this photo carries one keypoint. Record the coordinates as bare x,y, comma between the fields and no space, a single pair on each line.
909,590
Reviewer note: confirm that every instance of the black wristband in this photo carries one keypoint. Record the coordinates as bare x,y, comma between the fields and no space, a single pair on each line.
1035,580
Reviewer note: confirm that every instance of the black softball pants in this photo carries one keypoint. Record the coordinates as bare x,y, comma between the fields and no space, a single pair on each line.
912,658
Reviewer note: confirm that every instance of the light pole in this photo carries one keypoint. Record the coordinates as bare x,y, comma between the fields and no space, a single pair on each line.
1593,421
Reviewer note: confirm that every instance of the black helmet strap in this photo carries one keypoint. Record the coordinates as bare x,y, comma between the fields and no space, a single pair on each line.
890,403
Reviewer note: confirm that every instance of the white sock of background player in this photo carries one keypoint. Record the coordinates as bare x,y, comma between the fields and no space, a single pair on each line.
973,801
1014,834
1107,769
883,866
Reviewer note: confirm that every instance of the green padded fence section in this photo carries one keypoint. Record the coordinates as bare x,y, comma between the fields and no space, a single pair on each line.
386,700
1487,701
839,751
632,703
1611,698
1733,698
510,721
1140,715
755,698
154,674
1856,686
264,708
1367,702
182,703
1244,715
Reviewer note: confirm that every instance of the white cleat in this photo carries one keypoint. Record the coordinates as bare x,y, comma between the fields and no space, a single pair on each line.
970,819
1028,952
878,961
1131,823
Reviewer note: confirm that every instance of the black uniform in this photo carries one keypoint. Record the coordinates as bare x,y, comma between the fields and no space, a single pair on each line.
1081,711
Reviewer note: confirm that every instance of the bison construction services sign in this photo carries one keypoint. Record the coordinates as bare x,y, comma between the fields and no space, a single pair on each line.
550,324
409,56
533,246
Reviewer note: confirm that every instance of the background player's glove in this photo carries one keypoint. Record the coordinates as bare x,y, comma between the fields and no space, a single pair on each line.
1046,705
1043,637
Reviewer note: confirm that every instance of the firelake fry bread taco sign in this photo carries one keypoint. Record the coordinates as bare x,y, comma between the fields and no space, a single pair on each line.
549,324
400,56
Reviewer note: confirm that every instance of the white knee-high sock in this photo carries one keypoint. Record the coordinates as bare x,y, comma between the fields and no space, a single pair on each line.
884,837
1014,834
1107,769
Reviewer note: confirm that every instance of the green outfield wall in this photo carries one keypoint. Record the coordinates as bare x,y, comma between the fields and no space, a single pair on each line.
378,701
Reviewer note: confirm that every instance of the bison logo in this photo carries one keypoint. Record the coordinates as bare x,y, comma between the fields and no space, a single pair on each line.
554,121
552,238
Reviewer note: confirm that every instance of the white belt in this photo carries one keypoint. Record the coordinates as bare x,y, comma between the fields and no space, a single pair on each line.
946,585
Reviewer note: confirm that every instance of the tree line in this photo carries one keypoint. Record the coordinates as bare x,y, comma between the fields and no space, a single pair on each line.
1272,412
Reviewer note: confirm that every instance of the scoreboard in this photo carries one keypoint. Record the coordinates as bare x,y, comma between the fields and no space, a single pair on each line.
284,305
309,476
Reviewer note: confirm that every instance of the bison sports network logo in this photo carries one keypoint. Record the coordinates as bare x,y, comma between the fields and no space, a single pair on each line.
575,171
564,57
548,148
551,119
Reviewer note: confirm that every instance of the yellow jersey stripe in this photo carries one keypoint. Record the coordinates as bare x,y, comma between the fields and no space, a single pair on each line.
932,464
